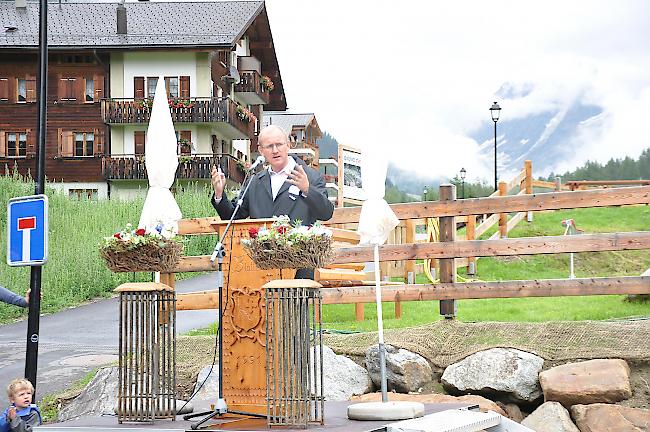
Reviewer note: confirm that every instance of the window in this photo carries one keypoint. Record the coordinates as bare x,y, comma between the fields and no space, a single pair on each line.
4,90
172,86
90,90
138,87
16,143
80,194
152,82
22,90
66,89
184,139
84,143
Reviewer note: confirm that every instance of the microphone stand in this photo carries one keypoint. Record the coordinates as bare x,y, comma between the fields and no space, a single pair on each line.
221,407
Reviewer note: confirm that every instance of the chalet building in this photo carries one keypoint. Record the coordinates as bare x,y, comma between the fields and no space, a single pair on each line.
303,131
219,66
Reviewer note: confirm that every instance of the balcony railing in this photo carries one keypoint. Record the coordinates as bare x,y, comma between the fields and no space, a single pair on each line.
222,112
250,89
190,167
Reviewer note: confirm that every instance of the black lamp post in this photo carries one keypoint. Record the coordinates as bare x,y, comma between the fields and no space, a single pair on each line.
424,194
462,180
495,110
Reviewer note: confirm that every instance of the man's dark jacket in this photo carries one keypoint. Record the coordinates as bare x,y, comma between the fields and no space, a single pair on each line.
259,203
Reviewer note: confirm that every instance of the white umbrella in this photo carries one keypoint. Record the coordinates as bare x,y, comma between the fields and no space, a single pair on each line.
161,161
376,222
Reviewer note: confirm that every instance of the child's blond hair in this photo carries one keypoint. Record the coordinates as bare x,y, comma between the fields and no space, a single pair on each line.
19,384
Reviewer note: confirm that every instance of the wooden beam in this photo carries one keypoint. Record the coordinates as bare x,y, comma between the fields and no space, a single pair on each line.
321,274
261,44
501,247
515,182
501,289
198,300
486,225
509,204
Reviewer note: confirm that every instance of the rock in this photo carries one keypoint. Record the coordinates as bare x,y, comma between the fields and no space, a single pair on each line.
97,398
210,390
405,371
550,417
483,403
508,372
513,412
608,417
587,382
342,377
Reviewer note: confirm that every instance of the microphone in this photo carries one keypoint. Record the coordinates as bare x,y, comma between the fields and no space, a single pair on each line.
260,159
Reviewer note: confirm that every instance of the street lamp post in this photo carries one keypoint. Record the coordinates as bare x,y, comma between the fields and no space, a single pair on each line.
424,194
462,180
495,110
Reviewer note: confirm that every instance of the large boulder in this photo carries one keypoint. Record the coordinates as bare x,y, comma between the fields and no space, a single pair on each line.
506,372
550,417
405,371
483,403
342,377
608,417
208,381
97,398
587,382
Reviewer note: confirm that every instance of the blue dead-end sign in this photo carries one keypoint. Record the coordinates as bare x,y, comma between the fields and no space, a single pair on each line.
27,231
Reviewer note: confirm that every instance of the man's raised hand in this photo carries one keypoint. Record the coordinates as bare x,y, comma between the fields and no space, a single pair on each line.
218,180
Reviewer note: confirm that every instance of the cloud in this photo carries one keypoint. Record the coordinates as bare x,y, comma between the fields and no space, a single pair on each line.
414,79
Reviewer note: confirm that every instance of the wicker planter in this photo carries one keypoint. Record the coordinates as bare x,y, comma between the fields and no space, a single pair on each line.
269,254
144,258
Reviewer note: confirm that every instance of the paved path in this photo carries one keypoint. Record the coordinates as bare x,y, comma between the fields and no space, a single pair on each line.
75,341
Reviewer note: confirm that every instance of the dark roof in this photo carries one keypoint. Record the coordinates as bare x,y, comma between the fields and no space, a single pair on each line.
150,24
286,121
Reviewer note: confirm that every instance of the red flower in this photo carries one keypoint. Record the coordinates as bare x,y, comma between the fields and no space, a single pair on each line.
118,236
252,232
281,229
140,232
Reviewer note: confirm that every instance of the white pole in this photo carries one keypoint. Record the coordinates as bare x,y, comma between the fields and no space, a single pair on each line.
571,275
380,328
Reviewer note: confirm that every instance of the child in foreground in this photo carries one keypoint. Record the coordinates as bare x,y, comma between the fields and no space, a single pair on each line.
22,415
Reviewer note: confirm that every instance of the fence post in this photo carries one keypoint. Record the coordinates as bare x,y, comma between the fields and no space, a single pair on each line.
447,265
503,217
470,233
558,184
528,182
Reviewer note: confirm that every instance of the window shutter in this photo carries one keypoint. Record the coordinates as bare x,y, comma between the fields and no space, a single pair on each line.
138,87
184,90
31,143
3,145
99,141
167,79
99,87
62,88
139,139
30,89
67,144
4,89
186,135
79,89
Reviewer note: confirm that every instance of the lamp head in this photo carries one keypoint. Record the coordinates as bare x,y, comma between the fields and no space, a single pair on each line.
462,173
495,110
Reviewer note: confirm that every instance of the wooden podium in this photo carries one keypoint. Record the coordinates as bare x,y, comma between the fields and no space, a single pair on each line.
244,320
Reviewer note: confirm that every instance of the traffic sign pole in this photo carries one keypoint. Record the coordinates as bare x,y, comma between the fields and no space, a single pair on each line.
31,359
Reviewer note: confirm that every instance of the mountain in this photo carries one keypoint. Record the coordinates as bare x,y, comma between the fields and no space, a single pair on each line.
546,138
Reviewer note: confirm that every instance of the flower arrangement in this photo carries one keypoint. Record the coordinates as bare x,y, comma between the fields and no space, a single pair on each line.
180,103
286,246
267,84
145,104
139,249
245,114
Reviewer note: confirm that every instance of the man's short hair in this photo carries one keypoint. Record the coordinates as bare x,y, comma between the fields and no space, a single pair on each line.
19,384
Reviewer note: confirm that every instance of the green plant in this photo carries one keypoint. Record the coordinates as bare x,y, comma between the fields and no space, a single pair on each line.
180,103
245,114
267,84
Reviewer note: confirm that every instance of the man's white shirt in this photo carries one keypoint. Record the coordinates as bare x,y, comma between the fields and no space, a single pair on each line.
278,178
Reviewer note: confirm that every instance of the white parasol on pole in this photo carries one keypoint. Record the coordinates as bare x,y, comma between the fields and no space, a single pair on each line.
376,222
160,208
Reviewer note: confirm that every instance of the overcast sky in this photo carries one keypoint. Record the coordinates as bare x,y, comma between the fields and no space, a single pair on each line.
412,78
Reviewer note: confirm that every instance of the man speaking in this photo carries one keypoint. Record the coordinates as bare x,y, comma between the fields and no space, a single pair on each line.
288,187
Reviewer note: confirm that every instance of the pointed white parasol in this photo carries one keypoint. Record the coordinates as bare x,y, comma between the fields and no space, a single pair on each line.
161,161
376,222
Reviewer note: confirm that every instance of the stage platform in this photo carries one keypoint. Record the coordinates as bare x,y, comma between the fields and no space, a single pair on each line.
336,420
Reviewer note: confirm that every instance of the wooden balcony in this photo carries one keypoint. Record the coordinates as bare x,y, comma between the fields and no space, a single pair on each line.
250,89
190,167
220,112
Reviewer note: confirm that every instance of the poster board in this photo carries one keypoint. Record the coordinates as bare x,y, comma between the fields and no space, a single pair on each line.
350,180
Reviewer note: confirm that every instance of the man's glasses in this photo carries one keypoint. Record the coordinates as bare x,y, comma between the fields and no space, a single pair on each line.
270,146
